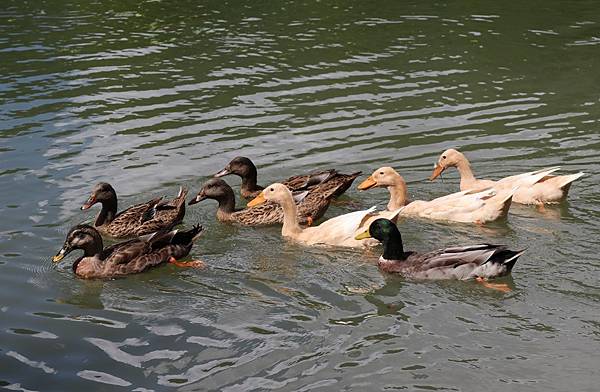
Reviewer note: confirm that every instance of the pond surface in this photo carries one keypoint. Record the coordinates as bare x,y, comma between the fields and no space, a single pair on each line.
153,95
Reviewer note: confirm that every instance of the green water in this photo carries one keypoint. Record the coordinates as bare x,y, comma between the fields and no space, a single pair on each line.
151,95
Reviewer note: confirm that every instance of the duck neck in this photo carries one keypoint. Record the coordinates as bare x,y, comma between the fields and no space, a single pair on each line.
467,178
392,246
93,248
290,217
398,194
249,181
226,202
108,211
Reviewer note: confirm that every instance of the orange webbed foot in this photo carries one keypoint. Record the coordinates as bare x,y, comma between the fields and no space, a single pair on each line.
186,264
503,287
309,221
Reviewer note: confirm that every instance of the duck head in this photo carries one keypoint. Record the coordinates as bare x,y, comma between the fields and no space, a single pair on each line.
449,158
101,193
276,192
215,189
83,237
381,178
240,166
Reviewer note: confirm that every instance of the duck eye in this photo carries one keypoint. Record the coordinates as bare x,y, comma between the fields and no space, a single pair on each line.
272,190
381,172
443,157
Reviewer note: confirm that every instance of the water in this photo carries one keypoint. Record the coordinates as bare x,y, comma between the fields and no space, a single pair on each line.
151,95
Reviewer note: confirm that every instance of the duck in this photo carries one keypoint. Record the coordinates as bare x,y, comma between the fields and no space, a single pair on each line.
312,205
140,219
478,207
338,231
245,168
129,257
537,187
480,262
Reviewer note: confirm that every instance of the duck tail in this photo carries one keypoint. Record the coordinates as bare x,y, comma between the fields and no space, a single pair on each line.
565,181
186,237
181,195
508,258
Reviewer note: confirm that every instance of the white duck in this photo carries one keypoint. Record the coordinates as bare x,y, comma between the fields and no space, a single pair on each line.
338,231
468,207
536,187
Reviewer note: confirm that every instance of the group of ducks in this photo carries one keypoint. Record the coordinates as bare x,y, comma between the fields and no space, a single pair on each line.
298,202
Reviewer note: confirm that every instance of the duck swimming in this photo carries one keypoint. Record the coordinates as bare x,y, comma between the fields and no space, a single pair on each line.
467,207
137,220
479,262
129,257
245,168
337,231
537,187
311,205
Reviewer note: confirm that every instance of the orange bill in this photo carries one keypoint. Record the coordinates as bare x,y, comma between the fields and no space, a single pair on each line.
436,172
257,200
90,202
367,184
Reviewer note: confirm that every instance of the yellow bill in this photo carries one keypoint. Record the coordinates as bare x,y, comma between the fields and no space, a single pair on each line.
436,172
367,184
59,256
363,235
257,200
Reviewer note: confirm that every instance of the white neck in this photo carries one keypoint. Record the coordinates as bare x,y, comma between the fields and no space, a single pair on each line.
398,194
291,226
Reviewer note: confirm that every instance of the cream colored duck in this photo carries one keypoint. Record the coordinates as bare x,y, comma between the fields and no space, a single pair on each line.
536,187
338,231
467,207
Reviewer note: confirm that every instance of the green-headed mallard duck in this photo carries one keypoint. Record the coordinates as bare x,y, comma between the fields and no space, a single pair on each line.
140,219
337,231
311,205
243,167
537,187
129,257
480,262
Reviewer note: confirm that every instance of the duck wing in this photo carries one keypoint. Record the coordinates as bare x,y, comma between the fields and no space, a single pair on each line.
125,252
466,262
527,179
163,214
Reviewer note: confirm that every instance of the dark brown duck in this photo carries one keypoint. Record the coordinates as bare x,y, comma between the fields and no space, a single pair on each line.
245,168
312,205
140,219
129,257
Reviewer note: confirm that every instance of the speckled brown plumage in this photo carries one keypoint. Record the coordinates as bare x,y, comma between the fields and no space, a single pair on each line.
129,257
312,207
140,219
245,168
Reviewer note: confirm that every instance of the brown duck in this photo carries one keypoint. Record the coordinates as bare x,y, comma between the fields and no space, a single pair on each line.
140,219
129,257
311,205
245,168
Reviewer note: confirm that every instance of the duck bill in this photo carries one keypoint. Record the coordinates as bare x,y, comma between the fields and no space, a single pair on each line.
363,235
367,184
257,200
197,199
436,172
60,255
90,202
222,173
